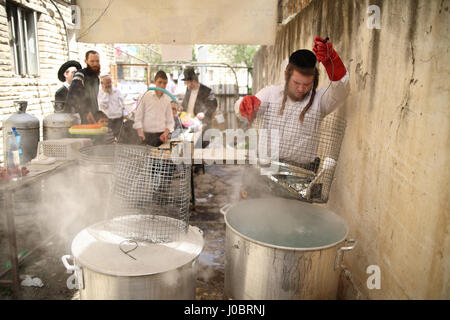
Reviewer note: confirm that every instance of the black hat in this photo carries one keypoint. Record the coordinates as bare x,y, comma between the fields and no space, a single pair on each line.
189,74
303,59
65,66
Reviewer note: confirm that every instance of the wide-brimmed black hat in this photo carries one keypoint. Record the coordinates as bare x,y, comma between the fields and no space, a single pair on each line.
189,74
303,58
65,66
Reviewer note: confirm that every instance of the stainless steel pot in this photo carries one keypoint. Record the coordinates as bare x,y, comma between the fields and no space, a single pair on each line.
107,266
283,249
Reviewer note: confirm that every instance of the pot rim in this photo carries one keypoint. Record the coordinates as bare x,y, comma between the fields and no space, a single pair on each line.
80,261
80,264
273,246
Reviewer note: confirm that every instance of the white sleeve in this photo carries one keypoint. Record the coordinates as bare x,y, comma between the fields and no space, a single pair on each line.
335,96
263,95
139,114
122,104
236,110
103,100
170,124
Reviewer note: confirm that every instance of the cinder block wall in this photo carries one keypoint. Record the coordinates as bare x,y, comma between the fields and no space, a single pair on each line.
391,182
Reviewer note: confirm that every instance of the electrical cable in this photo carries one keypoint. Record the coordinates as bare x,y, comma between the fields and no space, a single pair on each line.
332,68
96,20
64,24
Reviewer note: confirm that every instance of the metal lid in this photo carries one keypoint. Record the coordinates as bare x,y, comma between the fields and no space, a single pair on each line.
22,121
59,120
286,224
99,249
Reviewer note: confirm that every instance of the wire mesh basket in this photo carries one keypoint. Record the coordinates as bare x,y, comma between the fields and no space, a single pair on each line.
145,227
147,182
306,152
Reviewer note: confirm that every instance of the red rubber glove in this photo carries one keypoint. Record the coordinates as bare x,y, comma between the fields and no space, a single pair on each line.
327,55
248,105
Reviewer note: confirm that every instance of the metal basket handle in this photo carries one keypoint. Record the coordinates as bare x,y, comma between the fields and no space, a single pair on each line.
224,210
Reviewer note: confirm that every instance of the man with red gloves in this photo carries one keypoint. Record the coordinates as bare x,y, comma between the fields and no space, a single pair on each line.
302,65
296,107
290,107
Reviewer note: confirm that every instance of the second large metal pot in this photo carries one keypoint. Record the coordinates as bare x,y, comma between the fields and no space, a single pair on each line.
282,249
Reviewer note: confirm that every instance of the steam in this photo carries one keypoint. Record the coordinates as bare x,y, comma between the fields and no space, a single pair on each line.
71,201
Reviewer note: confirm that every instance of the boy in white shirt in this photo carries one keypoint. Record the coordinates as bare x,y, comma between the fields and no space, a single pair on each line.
154,119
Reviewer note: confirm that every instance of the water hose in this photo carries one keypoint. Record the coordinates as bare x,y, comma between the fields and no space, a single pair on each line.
165,91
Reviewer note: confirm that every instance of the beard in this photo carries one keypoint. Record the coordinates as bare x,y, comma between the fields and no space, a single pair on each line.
93,72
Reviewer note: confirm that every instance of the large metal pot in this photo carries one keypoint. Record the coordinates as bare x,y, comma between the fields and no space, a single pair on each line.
28,127
282,249
56,125
107,266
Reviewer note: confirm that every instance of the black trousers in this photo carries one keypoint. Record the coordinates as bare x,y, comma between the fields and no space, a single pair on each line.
152,139
115,125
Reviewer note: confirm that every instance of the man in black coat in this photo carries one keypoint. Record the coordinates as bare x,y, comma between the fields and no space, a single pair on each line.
65,74
83,92
199,100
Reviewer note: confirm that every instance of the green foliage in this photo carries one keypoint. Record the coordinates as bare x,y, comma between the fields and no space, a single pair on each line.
150,53
235,55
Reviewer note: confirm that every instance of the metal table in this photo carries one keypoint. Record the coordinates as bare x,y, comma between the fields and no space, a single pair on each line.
36,173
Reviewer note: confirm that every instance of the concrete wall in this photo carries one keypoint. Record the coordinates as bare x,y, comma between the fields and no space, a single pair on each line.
391,182
39,90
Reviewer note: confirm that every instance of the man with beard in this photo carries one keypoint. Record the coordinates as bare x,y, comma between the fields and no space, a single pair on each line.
83,92
296,108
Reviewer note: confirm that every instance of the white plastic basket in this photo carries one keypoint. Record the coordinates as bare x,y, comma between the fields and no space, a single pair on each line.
63,149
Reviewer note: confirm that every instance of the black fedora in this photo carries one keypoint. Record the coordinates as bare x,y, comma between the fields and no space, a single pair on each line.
65,66
189,74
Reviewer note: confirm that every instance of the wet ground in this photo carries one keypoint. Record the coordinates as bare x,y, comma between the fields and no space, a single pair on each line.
213,189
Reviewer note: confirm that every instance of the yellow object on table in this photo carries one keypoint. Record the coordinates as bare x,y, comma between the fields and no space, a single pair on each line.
87,131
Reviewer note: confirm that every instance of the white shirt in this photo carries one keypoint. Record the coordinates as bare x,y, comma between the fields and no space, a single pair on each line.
301,138
192,99
111,104
154,114
171,86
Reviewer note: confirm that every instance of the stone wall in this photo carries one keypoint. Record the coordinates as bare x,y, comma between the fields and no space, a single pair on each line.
52,43
391,182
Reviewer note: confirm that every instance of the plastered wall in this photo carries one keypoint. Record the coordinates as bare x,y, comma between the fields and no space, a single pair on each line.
391,181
